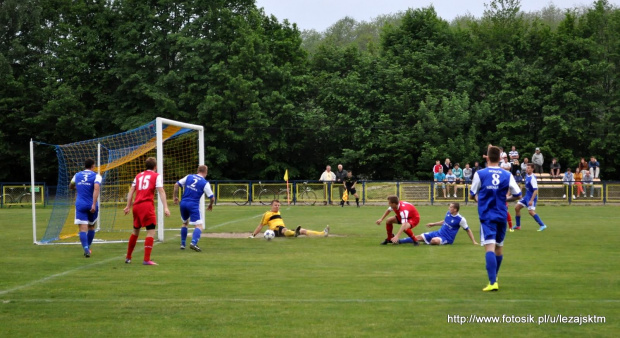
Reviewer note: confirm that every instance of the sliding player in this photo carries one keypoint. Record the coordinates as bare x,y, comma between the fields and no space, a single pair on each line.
449,228
273,220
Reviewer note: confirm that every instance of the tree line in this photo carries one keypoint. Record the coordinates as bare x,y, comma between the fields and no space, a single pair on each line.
385,98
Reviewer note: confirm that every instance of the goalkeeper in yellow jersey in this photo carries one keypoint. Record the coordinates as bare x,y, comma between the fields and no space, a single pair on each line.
273,220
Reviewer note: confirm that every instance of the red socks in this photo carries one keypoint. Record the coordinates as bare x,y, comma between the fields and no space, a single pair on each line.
148,247
132,244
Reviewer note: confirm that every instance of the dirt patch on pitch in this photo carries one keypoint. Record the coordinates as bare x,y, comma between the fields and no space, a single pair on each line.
240,235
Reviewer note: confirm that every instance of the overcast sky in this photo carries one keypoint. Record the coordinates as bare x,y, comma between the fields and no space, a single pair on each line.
320,14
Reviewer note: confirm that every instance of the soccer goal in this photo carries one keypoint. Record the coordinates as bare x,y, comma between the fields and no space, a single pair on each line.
178,147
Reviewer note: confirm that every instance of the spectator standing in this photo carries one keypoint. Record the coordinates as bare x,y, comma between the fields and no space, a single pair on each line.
515,167
328,175
467,174
588,181
502,156
568,181
447,165
437,167
555,168
526,161
513,154
475,169
341,175
594,167
505,164
538,159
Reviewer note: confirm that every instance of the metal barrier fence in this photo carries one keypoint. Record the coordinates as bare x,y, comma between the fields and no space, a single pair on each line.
319,193
376,192
19,194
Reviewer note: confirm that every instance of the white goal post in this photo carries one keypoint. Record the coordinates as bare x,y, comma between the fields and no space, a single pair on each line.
160,166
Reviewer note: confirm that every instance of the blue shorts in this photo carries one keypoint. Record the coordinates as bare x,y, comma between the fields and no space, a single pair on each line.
191,212
526,203
84,216
428,236
492,232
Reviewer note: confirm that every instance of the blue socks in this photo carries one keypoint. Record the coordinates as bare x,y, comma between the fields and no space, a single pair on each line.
91,236
84,241
491,266
196,236
498,259
538,220
518,218
405,240
183,235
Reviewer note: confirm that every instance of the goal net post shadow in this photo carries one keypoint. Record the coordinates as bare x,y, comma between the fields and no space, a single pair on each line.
177,146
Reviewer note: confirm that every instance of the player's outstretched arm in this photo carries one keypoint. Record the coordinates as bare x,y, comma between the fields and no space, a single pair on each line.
387,212
471,236
256,231
129,200
162,198
428,225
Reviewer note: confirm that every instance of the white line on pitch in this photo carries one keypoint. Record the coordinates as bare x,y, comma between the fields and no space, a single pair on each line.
329,300
45,279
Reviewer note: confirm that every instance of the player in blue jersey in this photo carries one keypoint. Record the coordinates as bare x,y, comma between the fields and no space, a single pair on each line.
530,199
88,184
489,188
449,228
194,186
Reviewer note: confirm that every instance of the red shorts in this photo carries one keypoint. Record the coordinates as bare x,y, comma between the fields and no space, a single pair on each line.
144,215
413,222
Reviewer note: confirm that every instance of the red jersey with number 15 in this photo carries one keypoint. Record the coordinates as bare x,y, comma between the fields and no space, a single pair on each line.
145,183
407,213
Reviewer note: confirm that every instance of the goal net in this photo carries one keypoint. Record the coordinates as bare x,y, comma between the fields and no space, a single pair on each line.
178,147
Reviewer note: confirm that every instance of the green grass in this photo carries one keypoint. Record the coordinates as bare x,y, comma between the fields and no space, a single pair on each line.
342,286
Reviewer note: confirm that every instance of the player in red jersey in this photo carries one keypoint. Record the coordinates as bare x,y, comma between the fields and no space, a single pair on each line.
144,185
406,215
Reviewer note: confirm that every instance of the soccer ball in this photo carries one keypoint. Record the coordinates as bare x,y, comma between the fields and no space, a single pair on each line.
269,235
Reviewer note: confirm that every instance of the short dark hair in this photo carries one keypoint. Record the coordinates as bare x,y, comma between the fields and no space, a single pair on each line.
493,154
456,206
150,163
89,163
393,199
274,201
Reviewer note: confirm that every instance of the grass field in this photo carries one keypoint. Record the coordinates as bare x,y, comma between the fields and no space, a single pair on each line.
346,285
